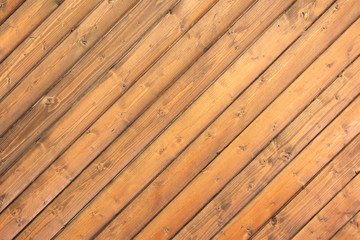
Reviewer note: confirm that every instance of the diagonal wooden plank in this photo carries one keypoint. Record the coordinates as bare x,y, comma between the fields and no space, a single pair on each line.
315,194
337,212
350,231
175,99
273,158
91,66
249,142
185,129
63,21
8,7
296,175
250,219
110,87
38,158
30,127
23,21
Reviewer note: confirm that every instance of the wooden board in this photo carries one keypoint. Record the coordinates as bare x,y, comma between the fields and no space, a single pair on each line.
181,119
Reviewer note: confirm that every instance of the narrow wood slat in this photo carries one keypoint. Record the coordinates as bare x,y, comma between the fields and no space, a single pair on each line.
7,7
111,86
91,66
42,40
294,176
250,218
351,231
272,159
38,158
336,213
99,59
149,164
250,142
23,21
315,195
155,118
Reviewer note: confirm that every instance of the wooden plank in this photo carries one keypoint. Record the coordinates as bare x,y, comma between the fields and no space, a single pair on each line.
336,213
250,218
315,195
297,173
22,22
8,7
124,74
351,231
91,66
277,154
28,129
149,164
40,42
130,67
154,119
249,143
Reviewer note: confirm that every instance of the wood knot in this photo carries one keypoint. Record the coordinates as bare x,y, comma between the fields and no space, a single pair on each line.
83,42
273,221
49,100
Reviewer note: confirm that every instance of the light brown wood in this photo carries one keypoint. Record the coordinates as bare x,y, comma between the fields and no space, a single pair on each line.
22,22
222,170
180,119
337,212
195,158
73,85
128,62
7,7
184,89
100,58
283,149
315,195
351,231
42,40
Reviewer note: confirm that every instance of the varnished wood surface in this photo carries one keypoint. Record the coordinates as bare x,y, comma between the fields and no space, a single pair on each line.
179,119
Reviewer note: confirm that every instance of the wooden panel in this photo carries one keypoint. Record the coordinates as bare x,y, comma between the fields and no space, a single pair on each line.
73,84
183,89
351,230
41,41
337,212
22,22
180,119
8,7
315,195
228,85
285,147
224,168
63,57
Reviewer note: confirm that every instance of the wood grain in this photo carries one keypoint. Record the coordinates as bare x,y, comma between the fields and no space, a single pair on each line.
222,170
184,89
86,107
283,149
315,195
251,224
337,212
42,40
8,7
80,78
17,27
71,50
202,150
351,231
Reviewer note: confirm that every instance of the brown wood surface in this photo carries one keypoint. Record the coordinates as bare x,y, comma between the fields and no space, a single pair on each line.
180,119
350,231
338,211
22,22
7,7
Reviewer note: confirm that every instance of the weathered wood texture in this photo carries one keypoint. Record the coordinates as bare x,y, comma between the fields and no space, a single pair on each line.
182,119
